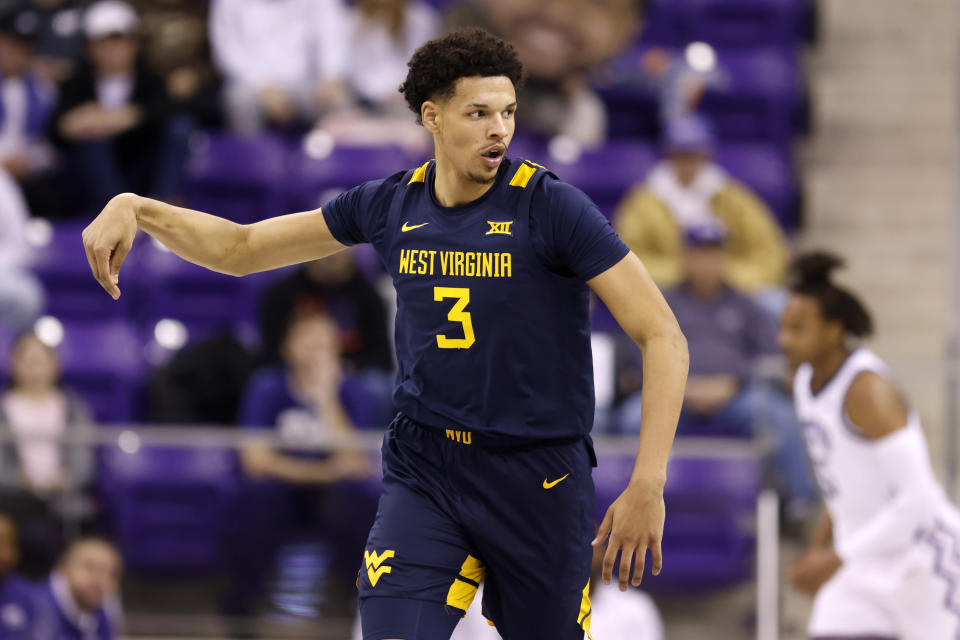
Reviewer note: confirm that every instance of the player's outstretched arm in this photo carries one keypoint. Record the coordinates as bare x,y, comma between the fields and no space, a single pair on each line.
635,520
203,239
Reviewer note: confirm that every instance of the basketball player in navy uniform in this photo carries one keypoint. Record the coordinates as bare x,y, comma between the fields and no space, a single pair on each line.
487,465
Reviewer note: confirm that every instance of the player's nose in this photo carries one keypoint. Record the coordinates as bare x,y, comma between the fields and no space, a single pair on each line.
498,127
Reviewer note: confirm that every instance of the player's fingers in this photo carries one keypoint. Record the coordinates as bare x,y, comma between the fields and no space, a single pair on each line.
102,257
609,557
626,555
656,552
93,263
636,576
116,260
605,527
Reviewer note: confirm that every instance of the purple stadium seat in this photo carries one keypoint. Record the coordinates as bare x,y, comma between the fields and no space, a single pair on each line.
768,170
239,178
167,506
315,180
71,290
103,361
708,537
174,288
764,96
744,23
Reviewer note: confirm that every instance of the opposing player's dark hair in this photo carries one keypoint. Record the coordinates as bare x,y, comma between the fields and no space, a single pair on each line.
466,53
810,275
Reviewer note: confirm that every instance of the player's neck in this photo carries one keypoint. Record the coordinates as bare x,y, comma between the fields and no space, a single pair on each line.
452,189
827,366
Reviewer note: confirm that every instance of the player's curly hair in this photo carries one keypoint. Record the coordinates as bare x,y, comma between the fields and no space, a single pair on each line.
810,276
465,53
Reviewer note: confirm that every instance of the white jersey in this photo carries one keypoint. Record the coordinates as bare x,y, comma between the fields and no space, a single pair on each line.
842,456
911,595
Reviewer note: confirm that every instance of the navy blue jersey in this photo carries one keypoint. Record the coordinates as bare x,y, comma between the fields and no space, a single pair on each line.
492,328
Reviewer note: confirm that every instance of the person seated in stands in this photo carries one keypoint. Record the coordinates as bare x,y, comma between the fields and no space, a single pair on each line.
59,43
20,612
112,119
687,189
176,46
384,34
26,102
305,402
45,464
21,293
729,335
283,62
80,598
336,286
559,42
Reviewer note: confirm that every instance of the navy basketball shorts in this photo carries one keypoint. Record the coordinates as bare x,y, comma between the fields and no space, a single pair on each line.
458,509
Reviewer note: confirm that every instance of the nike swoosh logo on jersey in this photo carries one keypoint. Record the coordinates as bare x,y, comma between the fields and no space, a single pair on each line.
551,485
410,227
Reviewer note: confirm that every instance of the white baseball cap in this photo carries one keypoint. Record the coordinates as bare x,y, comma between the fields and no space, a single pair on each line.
108,18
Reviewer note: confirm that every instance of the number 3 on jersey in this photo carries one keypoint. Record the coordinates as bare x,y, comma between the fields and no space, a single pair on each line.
457,314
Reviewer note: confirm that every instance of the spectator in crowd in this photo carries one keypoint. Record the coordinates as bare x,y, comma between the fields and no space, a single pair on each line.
112,117
335,286
687,189
306,401
21,294
728,335
559,42
176,46
45,466
283,61
80,596
383,35
26,102
679,87
20,613
59,46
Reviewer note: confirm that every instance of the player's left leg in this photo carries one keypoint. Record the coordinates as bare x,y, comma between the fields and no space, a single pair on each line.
530,514
928,598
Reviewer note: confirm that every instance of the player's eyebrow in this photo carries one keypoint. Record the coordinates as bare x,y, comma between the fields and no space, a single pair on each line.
486,106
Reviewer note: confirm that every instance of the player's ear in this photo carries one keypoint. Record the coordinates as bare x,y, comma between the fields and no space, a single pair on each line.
430,116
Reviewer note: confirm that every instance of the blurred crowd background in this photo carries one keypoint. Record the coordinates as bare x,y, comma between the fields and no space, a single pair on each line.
682,119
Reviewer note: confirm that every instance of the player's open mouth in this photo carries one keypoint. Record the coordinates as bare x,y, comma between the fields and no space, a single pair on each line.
493,157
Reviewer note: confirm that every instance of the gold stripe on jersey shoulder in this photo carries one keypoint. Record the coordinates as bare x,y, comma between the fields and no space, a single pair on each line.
522,176
420,175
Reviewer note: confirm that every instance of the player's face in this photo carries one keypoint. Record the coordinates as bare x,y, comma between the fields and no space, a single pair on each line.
804,334
475,126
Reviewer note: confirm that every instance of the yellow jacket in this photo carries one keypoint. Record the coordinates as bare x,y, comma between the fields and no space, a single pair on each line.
756,248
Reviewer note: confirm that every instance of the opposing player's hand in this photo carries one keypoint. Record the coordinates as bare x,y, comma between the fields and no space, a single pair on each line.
108,239
634,523
811,571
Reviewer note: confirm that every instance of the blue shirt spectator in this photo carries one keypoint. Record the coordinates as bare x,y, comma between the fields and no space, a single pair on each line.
78,596
21,615
727,333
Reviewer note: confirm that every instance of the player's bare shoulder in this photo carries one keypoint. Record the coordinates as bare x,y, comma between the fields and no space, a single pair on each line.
875,405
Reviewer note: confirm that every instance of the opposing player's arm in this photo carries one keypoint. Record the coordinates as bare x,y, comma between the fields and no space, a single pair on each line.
878,411
635,520
875,406
203,239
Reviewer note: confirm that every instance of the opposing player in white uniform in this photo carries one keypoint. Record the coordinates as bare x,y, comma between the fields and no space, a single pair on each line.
885,564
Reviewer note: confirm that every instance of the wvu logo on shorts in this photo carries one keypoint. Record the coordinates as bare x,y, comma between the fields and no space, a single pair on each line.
375,564
463,437
499,228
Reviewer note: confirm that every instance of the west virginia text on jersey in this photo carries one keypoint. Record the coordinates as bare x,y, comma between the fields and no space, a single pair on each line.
469,264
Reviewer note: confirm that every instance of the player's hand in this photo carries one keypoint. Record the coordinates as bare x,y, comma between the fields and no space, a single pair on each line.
108,239
634,523
810,571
